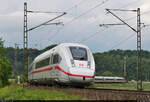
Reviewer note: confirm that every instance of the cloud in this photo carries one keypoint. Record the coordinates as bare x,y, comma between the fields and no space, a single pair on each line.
82,26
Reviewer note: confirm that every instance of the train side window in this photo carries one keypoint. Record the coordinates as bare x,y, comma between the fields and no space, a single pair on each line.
43,63
56,59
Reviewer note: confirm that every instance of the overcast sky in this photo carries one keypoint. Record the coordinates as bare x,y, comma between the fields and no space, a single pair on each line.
81,23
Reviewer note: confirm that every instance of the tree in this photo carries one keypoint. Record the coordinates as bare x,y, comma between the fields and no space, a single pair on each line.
5,66
5,71
2,50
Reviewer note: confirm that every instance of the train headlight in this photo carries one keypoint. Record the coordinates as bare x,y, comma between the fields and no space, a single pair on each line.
72,63
89,64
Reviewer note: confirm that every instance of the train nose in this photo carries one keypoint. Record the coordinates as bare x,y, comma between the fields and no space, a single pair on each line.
81,75
83,80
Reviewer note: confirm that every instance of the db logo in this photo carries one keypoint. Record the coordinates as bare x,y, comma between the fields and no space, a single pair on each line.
81,65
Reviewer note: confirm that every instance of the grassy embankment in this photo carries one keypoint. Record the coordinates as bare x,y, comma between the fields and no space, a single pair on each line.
128,86
14,92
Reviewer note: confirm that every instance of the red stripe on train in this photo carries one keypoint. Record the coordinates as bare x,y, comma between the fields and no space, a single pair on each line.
42,70
57,67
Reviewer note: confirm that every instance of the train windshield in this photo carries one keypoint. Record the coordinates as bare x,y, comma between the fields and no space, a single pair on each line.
78,53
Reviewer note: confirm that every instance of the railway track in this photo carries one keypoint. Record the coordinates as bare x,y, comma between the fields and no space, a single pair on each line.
99,93
119,94
119,90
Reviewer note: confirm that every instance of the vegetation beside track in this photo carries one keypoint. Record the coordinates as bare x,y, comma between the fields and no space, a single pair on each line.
5,66
14,92
125,86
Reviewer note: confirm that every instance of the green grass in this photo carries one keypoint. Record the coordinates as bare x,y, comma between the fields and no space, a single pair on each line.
128,86
13,92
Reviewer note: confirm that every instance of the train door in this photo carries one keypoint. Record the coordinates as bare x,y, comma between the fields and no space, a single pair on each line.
56,60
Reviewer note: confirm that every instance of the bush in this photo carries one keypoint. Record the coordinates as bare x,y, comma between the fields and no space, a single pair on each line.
5,67
5,71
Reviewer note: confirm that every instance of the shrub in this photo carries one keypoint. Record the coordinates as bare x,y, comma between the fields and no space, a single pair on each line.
5,66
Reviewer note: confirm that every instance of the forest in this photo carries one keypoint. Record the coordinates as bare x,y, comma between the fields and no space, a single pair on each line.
108,63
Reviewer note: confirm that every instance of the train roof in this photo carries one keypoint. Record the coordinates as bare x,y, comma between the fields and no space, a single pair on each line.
72,44
44,55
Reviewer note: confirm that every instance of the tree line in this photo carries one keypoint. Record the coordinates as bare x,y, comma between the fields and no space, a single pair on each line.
108,63
111,63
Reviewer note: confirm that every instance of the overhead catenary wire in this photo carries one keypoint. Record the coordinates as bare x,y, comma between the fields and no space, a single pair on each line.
69,22
90,36
57,12
96,32
62,27
46,22
146,12
126,39
54,35
43,12
77,4
77,18
76,40
123,41
147,25
138,31
130,3
96,20
103,2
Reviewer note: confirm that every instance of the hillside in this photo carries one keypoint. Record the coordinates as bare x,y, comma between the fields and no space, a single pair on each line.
111,63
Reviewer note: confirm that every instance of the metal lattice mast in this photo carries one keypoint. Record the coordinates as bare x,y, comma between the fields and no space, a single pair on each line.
15,58
138,31
139,69
25,34
25,42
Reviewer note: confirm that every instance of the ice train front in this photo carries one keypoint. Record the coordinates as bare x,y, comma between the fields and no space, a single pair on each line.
81,64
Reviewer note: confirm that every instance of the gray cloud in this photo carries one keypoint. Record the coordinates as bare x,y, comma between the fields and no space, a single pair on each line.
11,26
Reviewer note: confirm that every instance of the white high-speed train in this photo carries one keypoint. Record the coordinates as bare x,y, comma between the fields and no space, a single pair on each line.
67,63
